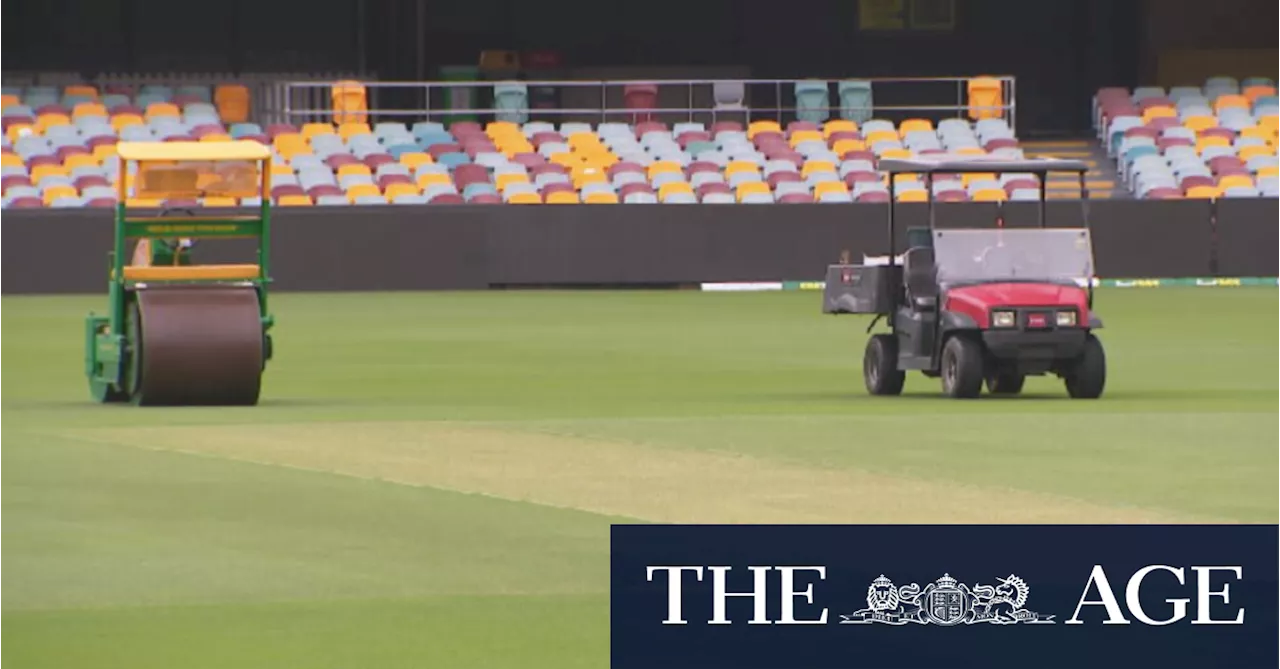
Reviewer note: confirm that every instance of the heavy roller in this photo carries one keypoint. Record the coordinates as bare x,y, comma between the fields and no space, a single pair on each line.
177,333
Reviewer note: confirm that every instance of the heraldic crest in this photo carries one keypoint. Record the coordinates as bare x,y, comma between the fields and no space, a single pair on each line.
947,602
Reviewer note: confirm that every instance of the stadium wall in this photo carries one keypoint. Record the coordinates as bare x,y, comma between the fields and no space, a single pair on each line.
478,247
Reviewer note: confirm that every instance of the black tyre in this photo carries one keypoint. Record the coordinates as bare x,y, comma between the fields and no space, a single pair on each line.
962,367
880,366
1087,374
1005,383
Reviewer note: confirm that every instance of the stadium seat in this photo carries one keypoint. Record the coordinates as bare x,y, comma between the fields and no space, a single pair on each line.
856,100
813,101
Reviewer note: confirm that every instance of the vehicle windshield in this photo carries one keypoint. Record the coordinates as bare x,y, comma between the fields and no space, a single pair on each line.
1024,254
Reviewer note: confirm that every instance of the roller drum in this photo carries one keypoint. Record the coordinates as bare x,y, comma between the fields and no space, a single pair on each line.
195,345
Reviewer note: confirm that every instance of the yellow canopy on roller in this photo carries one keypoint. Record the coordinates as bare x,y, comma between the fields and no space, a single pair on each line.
182,151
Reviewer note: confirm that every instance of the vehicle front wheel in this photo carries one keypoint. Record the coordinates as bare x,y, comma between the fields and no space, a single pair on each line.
880,366
962,367
1086,376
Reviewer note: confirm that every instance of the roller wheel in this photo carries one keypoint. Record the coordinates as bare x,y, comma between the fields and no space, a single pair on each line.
134,351
880,366
1087,375
962,367
1005,383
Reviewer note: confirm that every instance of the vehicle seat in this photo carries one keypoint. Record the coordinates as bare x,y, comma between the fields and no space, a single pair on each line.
921,278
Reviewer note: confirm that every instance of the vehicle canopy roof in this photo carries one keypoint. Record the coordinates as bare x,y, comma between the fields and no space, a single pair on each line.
957,164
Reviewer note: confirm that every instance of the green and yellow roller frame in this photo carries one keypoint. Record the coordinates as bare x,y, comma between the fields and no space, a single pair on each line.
177,333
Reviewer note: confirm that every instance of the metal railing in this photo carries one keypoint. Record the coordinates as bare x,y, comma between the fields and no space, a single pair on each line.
677,100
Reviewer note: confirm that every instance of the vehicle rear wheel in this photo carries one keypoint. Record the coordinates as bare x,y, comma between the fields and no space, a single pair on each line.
1005,383
1087,375
962,367
880,366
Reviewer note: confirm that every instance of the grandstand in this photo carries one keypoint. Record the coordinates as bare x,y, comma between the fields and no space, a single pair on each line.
58,143
1209,141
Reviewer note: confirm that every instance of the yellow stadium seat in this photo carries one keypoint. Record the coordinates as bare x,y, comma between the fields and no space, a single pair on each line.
913,195
589,176
668,189
525,198
1253,151
413,159
46,121
1271,122
54,192
501,181
986,98
1229,102
291,144
967,179
736,166
601,198
881,136
18,130
102,152
88,109
78,160
1234,180
431,178
663,166
585,138
1156,112
294,201
353,168
220,201
844,146
11,160
162,110
359,190
805,136
970,151
1203,192
838,125
901,180
41,171
348,130
396,190
310,130
81,90
215,137
811,166
752,188
8,99
1198,123
142,202
990,195
757,127
350,103
601,161
1212,140
232,101
280,169
565,159
915,125
496,129
820,189
1269,171
562,197
121,121
1257,132
897,153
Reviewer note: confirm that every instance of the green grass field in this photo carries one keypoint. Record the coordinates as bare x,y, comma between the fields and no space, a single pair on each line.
430,478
